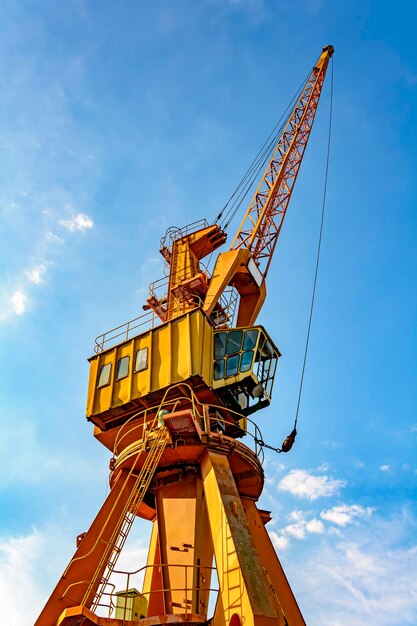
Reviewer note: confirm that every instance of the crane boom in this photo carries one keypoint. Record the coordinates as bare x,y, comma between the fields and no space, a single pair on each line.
246,264
262,222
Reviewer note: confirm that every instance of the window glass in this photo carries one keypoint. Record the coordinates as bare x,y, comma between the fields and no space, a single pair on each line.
232,365
265,349
269,348
219,345
250,339
104,376
246,361
141,360
218,371
122,367
234,341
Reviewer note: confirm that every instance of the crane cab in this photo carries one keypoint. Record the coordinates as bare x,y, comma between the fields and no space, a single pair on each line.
232,369
245,361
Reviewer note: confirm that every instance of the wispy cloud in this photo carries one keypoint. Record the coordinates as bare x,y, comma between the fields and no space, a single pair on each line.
304,484
301,524
36,274
14,303
51,236
385,468
80,222
367,578
18,301
35,560
18,556
344,514
18,283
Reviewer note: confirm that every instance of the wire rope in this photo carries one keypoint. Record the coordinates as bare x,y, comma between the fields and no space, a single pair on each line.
316,271
288,442
255,167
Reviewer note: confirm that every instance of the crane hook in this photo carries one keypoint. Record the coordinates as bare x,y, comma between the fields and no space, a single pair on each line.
289,441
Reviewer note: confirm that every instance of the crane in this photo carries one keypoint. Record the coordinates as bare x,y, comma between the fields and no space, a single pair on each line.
170,394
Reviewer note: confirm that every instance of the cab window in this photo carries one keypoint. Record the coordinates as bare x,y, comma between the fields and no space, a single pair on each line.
233,352
219,345
122,368
104,375
141,360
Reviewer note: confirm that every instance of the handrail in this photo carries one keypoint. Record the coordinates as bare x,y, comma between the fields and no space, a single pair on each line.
123,332
198,409
187,589
150,319
181,232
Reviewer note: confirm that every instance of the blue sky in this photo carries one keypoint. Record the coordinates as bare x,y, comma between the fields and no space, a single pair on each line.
121,119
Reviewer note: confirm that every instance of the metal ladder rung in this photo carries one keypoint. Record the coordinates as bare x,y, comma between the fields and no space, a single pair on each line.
143,480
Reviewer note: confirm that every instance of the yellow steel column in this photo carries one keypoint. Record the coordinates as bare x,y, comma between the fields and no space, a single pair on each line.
245,593
272,566
153,583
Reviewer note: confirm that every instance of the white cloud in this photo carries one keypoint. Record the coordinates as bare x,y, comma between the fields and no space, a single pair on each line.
80,222
30,562
385,468
17,558
279,541
345,514
323,467
305,485
34,562
18,301
296,515
295,530
367,579
13,304
50,236
36,274
315,526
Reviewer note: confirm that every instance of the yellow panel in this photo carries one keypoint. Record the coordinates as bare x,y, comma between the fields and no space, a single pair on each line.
180,367
121,388
141,380
161,357
101,397
92,385
176,350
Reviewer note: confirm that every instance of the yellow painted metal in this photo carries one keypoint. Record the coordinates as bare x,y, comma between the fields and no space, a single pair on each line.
272,567
185,546
153,586
244,589
177,350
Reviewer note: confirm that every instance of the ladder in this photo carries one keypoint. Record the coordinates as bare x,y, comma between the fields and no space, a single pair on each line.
121,531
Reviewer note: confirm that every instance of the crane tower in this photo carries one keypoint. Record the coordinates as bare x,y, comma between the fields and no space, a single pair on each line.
171,395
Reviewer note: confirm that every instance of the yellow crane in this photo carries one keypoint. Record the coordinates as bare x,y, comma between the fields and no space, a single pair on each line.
170,394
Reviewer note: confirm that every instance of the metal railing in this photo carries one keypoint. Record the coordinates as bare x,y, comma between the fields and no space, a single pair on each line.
206,423
126,331
147,321
135,578
174,232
